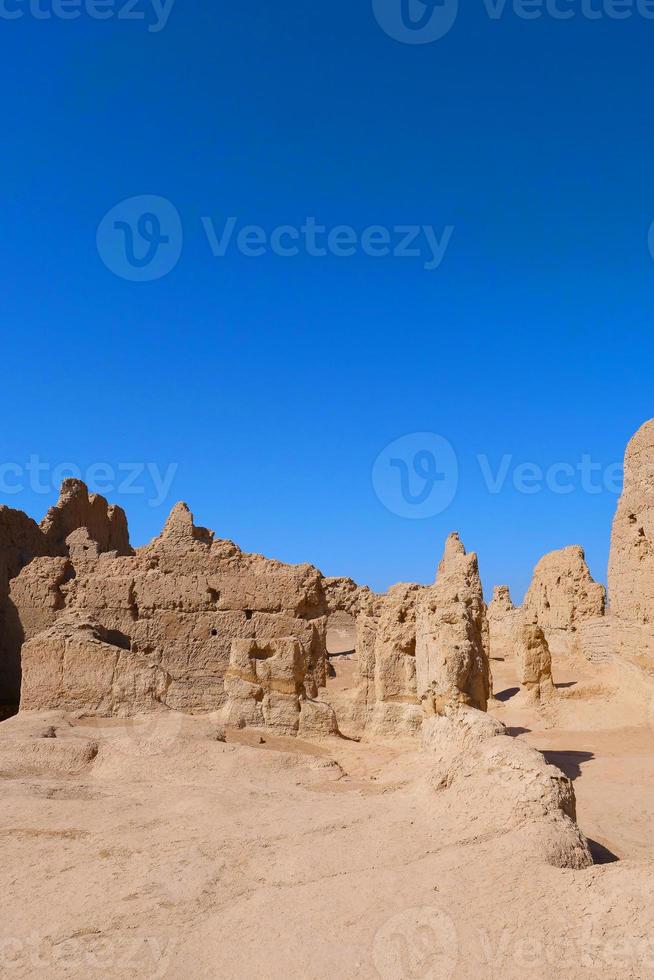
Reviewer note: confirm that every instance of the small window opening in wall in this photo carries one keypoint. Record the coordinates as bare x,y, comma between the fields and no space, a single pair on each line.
248,614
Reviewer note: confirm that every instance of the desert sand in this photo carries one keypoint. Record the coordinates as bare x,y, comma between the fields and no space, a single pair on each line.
223,766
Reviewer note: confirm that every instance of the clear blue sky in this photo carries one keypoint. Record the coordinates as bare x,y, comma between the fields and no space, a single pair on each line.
275,382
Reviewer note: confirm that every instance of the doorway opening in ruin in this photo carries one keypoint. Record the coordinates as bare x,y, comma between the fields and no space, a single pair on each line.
342,659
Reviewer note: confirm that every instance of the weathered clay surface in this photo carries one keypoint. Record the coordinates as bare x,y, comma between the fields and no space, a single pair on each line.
451,634
562,595
73,666
76,508
103,527
504,620
345,596
418,648
534,662
36,598
522,794
265,687
179,602
388,666
631,565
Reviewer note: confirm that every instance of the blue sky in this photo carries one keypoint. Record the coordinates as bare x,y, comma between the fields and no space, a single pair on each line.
270,385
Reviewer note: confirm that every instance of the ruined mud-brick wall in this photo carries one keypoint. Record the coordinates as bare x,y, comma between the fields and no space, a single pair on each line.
627,632
419,647
631,565
178,604
167,623
504,622
22,540
562,596
452,642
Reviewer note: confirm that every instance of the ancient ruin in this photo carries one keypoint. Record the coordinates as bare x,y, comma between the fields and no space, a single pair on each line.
503,621
310,727
191,623
563,595
534,662
631,566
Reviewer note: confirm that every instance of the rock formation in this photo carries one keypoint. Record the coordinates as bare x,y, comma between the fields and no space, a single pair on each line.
343,595
192,623
265,687
179,602
534,662
104,529
105,523
199,626
625,637
504,619
418,649
451,634
519,792
76,665
501,603
631,565
388,663
562,595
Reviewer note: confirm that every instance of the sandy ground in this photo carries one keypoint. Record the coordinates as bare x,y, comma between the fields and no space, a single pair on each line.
149,849
602,743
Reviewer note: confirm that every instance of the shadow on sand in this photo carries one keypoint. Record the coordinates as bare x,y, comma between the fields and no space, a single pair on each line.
569,762
509,693
601,854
